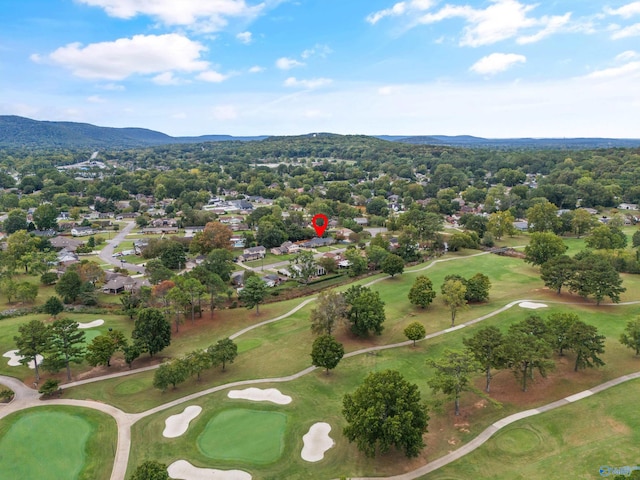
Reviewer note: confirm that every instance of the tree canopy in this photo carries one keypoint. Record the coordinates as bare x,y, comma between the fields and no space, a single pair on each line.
385,411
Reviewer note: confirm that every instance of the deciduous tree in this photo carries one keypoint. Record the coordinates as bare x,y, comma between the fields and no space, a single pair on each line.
385,411
365,310
454,296
415,331
558,272
326,352
392,264
224,351
422,293
151,331
596,276
331,309
253,293
542,247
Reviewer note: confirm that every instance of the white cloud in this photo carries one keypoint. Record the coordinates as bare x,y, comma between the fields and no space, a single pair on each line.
225,112
212,76
310,83
625,11
626,32
501,20
95,99
614,72
319,50
554,24
113,87
626,56
256,69
245,37
141,54
285,63
400,8
207,15
387,90
496,63
166,78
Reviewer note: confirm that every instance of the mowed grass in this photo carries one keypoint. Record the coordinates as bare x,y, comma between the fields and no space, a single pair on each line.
57,443
244,435
318,397
282,348
573,441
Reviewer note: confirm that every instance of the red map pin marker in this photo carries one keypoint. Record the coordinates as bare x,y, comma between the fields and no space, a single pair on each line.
320,229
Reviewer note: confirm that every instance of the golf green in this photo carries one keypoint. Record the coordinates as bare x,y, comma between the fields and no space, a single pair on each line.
250,436
44,445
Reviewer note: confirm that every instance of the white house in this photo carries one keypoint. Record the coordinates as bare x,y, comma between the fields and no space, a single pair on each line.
82,231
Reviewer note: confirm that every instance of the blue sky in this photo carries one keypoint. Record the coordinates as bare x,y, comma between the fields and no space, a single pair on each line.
496,68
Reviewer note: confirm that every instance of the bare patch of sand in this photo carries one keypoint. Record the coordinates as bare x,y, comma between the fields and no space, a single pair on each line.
95,323
316,442
14,359
261,395
183,470
532,305
177,425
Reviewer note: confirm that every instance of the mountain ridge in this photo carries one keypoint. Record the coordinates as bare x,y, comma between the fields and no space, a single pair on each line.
16,131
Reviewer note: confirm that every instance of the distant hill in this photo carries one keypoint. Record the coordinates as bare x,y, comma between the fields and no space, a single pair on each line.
507,143
18,132
24,132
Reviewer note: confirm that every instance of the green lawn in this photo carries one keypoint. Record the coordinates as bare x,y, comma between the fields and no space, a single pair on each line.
243,435
57,443
573,441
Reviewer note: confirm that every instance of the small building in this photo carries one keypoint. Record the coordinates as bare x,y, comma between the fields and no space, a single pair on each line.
286,248
68,243
628,206
253,253
82,231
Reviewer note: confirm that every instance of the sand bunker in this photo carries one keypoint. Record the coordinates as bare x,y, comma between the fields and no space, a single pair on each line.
316,442
532,305
259,395
183,470
95,323
176,425
14,359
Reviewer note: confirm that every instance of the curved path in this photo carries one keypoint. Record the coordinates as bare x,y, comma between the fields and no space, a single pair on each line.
26,397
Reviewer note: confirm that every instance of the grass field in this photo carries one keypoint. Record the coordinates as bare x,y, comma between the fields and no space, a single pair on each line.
57,443
571,442
243,435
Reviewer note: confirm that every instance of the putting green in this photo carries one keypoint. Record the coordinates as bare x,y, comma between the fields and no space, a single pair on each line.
45,444
518,441
250,436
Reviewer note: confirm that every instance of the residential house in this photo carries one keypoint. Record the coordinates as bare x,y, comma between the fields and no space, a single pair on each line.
191,231
67,257
361,221
318,242
82,231
68,243
628,206
286,248
253,253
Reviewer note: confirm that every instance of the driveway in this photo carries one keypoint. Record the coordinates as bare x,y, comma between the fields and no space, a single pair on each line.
106,254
